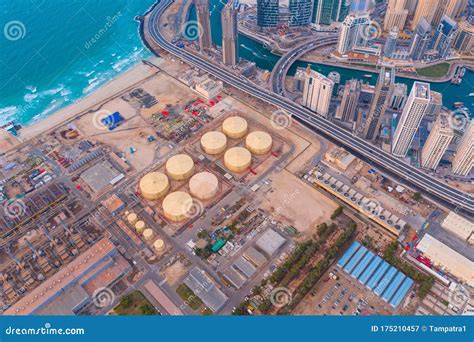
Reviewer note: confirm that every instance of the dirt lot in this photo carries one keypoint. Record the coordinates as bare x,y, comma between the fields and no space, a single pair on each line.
343,297
296,203
175,272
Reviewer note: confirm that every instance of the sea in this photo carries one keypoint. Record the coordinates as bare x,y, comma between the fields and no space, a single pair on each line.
55,52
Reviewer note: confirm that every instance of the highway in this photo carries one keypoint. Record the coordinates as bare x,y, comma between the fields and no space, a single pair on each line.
284,63
436,189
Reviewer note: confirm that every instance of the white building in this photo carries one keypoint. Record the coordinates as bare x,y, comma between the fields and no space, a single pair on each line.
208,88
437,143
396,15
317,92
463,161
447,259
410,119
458,225
352,32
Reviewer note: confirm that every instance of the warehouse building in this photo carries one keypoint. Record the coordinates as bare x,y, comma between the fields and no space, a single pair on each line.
459,226
447,259
384,280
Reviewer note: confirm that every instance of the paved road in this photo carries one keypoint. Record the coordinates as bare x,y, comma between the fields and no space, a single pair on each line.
412,176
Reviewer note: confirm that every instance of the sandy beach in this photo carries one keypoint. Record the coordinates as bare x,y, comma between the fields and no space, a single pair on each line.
93,102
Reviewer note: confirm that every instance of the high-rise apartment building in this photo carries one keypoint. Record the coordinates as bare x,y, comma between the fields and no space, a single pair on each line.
444,36
425,9
300,12
391,43
204,20
455,7
396,15
317,92
399,96
379,104
410,119
463,161
230,34
350,99
351,32
268,13
327,11
464,42
437,143
420,40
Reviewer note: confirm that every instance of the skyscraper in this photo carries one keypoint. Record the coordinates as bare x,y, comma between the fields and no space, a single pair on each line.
444,36
455,7
361,5
399,96
420,40
230,33
300,12
426,9
380,101
350,33
391,42
268,13
465,38
463,161
204,20
437,143
410,119
440,10
349,102
317,92
396,15
327,11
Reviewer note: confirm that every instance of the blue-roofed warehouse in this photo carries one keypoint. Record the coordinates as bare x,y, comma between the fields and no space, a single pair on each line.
376,274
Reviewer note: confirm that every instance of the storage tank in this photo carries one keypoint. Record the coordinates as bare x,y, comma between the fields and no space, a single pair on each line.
237,159
204,186
148,234
154,185
180,167
159,246
214,142
235,127
132,218
140,227
176,206
259,142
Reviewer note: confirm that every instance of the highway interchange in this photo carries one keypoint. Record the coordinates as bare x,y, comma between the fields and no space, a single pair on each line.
412,176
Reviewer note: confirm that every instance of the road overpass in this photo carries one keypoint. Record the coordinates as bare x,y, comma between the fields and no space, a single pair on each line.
281,68
410,175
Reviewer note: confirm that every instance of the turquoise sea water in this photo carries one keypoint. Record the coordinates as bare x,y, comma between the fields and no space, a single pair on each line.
51,59
48,58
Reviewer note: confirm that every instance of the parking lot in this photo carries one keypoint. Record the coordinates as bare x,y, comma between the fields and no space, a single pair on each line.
339,294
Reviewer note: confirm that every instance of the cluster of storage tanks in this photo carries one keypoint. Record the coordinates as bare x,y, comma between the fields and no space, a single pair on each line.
236,159
147,233
176,205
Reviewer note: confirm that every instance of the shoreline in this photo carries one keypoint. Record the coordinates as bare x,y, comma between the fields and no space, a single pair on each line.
90,103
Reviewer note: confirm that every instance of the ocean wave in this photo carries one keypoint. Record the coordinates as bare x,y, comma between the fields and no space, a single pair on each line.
31,89
30,97
8,110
